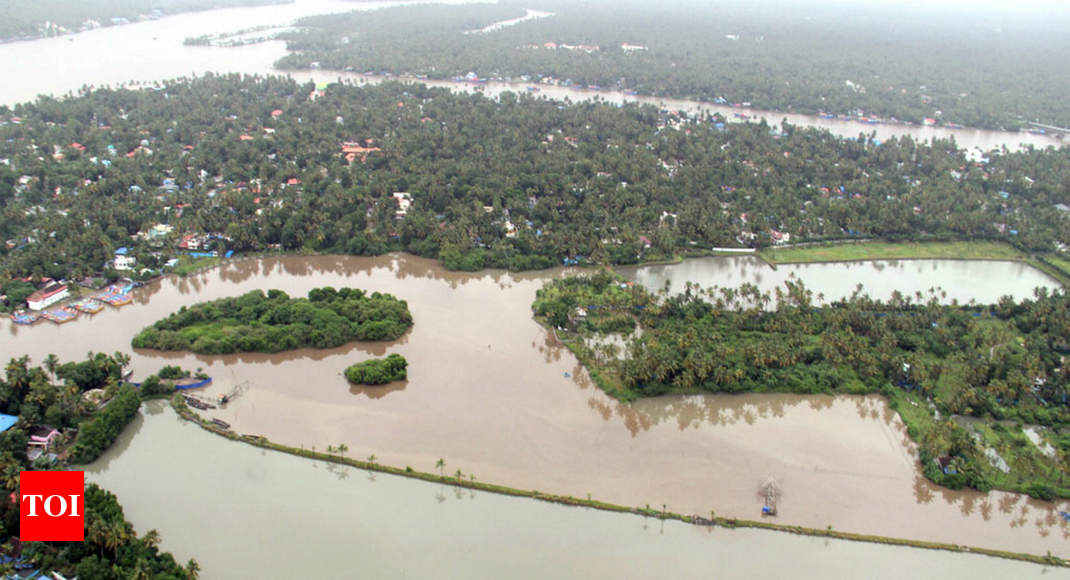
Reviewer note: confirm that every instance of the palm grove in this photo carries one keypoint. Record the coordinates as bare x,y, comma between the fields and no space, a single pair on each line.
517,183
1003,364
987,68
86,403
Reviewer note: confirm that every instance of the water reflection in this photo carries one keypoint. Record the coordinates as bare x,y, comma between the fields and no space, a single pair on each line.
378,391
695,411
957,278
494,393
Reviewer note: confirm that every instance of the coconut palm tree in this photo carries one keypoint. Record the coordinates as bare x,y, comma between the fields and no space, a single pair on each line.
151,538
52,363
141,570
112,535
441,465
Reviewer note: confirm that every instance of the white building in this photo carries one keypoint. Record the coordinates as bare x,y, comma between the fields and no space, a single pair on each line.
404,203
47,296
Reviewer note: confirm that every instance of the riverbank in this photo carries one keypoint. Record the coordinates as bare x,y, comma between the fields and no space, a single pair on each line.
877,250
794,348
1051,264
490,391
459,480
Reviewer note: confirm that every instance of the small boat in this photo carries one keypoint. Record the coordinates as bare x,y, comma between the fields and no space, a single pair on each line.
221,423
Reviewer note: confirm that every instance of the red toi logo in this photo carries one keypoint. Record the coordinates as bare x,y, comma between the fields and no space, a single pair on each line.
52,506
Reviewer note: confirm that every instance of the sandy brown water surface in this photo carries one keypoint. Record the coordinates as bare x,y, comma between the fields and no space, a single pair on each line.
243,512
488,393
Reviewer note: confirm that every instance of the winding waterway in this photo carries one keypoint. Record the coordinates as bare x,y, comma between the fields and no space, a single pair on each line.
495,396
492,394
247,513
152,51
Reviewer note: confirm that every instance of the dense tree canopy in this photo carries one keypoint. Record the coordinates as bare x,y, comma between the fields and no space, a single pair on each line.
992,67
1004,361
51,396
274,322
516,183
378,371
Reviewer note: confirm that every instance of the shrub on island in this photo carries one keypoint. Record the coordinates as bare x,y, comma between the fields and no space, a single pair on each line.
378,371
255,322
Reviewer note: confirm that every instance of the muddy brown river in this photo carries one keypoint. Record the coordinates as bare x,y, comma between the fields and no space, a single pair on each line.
247,513
492,394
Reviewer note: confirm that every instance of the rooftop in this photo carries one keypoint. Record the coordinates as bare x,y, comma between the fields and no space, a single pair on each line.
7,421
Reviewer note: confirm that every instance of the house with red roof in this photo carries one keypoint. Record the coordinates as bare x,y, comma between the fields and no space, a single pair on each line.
47,296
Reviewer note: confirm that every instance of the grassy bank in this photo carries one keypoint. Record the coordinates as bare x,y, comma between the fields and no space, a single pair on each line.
892,251
189,265
186,413
1052,265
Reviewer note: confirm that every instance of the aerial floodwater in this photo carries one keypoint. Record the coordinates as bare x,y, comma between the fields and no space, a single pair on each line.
953,280
492,393
147,52
229,506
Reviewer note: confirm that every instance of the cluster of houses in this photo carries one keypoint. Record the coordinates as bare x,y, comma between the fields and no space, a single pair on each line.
588,48
43,440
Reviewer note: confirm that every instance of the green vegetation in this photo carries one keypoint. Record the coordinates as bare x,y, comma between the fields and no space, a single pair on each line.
101,430
188,265
54,17
1062,263
979,250
274,322
856,61
111,548
586,183
378,371
172,372
15,293
934,363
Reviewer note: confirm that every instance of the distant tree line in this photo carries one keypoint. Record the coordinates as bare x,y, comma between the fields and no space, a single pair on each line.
955,65
54,17
516,183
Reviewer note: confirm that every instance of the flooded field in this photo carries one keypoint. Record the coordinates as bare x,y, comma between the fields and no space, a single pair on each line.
957,279
247,513
492,394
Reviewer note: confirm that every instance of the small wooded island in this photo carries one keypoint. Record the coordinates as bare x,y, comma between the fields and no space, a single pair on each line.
973,383
274,322
378,371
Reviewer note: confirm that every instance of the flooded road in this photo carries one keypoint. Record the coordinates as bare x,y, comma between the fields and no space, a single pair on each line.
152,51
243,512
491,393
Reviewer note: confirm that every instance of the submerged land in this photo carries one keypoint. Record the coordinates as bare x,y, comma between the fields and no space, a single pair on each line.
887,417
1001,363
